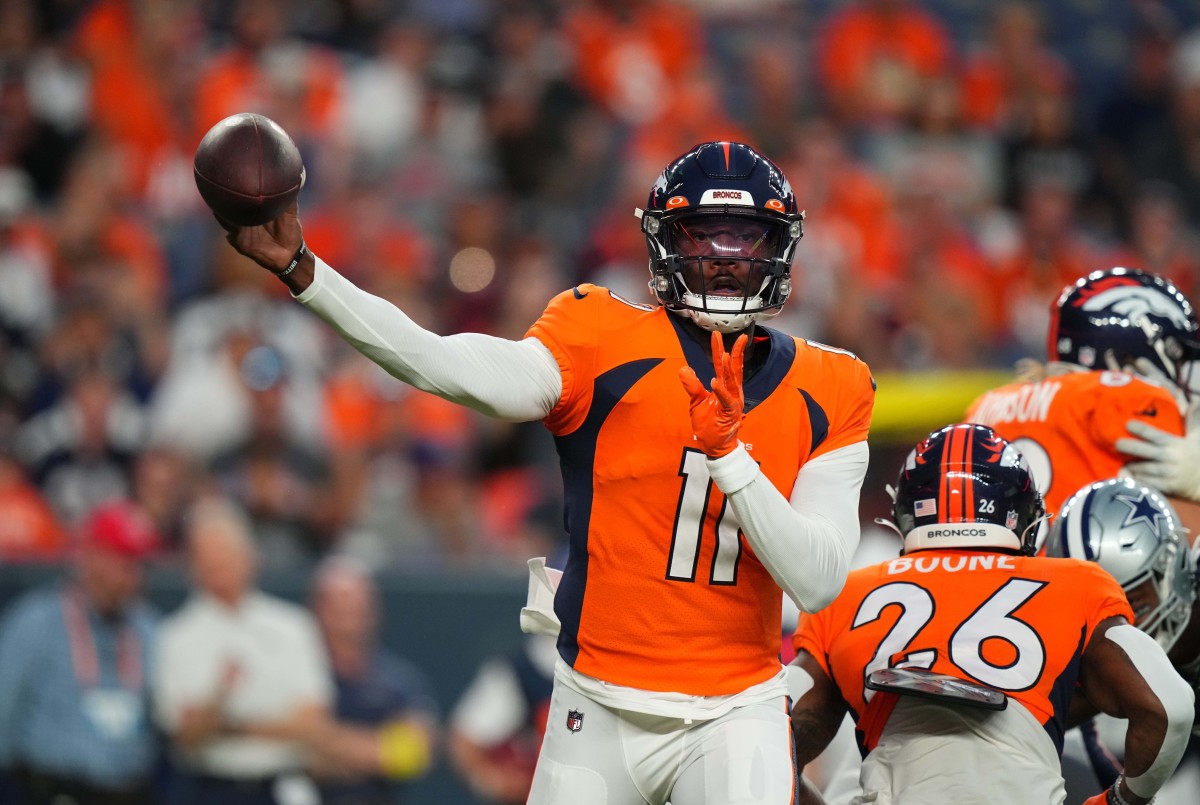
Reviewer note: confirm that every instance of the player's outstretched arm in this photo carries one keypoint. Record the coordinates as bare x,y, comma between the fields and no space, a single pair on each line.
512,380
1127,675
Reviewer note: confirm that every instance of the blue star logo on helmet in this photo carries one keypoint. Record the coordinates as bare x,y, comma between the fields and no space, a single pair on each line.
1141,510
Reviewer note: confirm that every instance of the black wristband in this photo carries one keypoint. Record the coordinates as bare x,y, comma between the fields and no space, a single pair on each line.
295,261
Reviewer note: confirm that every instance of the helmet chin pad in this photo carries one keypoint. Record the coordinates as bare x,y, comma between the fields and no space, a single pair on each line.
727,313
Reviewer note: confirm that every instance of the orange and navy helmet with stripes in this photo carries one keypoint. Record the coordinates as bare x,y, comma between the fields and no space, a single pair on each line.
964,486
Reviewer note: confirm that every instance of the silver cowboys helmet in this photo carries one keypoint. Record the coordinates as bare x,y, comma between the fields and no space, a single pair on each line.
1134,533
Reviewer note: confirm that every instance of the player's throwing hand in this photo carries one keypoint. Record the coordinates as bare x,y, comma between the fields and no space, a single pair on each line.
717,414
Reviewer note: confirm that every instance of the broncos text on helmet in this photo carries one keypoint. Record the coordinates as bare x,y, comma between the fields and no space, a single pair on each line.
963,486
721,228
1122,314
1133,532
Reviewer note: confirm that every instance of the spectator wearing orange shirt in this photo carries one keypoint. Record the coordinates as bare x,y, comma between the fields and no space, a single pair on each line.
874,58
1001,78
630,55
1049,252
265,70
29,528
134,53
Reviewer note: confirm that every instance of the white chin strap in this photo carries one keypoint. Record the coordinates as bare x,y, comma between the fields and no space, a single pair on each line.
725,315
961,535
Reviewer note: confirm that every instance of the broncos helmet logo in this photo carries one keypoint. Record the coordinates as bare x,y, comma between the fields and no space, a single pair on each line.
1131,300
995,447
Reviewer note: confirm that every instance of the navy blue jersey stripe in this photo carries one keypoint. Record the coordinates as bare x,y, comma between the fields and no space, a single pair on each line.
780,357
817,419
779,362
577,455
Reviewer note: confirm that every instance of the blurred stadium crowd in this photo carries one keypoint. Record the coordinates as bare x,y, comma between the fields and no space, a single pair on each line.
959,162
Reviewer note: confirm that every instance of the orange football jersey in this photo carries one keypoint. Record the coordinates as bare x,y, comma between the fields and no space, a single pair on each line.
661,591
1018,624
1067,425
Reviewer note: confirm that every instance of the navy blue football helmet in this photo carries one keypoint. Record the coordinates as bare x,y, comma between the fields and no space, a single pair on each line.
721,227
964,486
1126,314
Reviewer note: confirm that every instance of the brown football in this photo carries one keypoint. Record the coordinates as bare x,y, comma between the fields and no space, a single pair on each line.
248,170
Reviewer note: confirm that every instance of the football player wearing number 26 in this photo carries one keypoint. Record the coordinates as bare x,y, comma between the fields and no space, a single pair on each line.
708,462
958,660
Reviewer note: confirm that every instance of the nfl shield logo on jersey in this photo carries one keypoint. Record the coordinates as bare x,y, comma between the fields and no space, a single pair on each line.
574,720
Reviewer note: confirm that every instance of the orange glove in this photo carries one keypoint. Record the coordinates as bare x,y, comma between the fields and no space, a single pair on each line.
717,414
1110,796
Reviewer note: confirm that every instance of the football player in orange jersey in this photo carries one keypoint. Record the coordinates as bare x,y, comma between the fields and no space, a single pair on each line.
708,461
1070,417
958,660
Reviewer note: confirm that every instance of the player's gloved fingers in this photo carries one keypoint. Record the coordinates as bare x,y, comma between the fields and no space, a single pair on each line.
1148,432
719,390
718,350
1153,474
1139,448
692,384
738,355
730,398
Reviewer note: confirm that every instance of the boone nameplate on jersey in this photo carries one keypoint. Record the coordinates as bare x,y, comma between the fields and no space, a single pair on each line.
948,689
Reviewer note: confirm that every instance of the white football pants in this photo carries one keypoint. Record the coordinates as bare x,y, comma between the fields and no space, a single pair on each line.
619,757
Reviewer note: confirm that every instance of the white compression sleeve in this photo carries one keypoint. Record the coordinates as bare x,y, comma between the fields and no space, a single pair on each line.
1173,692
806,543
517,381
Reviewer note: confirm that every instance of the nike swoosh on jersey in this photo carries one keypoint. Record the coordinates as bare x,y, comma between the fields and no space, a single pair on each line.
1150,410
579,295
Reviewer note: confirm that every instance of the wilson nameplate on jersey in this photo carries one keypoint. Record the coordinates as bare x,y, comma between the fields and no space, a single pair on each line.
948,689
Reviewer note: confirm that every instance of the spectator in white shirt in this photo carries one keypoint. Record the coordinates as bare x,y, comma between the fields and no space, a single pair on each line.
241,676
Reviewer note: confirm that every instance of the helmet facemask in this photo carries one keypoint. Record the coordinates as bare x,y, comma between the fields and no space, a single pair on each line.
1179,361
722,267
1162,596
